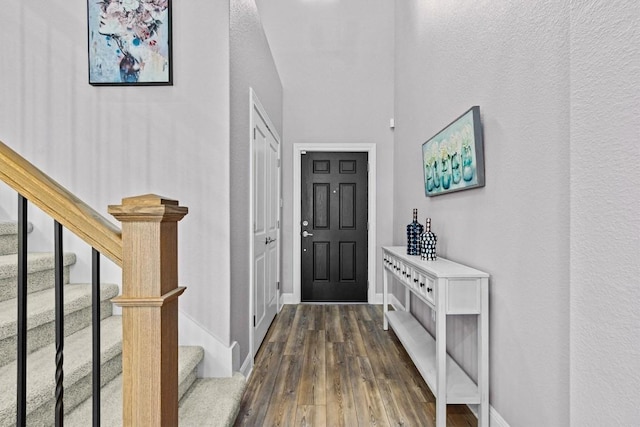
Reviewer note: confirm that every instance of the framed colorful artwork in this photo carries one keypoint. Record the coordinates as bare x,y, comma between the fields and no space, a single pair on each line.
129,42
453,159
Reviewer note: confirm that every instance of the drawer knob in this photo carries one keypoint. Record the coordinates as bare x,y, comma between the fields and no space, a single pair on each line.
429,289
421,285
415,280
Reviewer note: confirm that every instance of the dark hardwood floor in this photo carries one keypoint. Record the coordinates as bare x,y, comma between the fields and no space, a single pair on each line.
333,365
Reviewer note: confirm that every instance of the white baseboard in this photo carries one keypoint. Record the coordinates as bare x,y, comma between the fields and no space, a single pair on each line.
395,303
288,298
247,367
377,299
218,359
495,419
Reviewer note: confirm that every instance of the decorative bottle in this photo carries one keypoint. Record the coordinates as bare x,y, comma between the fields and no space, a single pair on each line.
413,235
428,243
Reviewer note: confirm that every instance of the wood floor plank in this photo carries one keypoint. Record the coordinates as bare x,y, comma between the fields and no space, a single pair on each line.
406,369
460,415
284,320
362,311
341,407
318,318
333,324
402,409
261,385
311,416
283,402
377,351
354,337
368,377
300,324
369,407
394,414
309,312
312,389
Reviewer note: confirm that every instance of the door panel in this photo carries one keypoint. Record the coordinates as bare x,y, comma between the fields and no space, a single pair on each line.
334,226
321,255
272,219
321,204
266,184
347,261
260,271
347,206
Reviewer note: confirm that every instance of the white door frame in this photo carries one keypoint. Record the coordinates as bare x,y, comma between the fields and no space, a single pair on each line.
297,259
254,102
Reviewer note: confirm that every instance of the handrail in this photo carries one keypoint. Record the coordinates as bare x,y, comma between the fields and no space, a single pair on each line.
60,204
147,251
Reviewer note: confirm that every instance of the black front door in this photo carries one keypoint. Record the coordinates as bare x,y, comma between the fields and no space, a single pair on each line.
334,226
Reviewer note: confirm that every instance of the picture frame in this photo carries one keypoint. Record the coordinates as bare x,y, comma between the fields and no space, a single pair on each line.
129,42
453,159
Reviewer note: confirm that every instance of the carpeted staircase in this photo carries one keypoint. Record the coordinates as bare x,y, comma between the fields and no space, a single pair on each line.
204,402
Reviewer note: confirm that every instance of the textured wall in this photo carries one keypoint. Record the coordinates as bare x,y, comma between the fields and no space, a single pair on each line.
605,224
251,66
105,143
512,59
335,60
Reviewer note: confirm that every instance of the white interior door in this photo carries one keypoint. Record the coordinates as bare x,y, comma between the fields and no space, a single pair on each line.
266,204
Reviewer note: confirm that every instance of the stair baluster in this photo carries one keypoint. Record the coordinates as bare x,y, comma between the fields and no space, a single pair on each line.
21,357
59,327
95,314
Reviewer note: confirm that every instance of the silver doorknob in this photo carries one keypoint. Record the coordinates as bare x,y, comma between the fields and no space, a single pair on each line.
306,234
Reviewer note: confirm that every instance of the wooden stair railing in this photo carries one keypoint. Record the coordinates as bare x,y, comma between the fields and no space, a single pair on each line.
146,250
57,202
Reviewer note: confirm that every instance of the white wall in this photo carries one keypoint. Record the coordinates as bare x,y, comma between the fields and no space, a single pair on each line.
605,224
251,66
335,61
512,59
105,143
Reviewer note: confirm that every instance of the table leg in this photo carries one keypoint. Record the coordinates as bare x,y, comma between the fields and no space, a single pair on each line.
441,358
385,301
483,356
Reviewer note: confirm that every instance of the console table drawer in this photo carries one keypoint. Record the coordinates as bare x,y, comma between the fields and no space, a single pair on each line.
426,287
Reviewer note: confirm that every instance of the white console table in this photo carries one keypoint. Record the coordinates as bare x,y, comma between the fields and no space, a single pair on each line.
448,288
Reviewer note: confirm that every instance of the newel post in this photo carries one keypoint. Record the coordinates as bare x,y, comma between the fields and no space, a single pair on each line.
149,304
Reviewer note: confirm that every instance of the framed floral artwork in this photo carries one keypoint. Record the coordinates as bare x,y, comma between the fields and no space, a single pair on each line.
453,159
129,42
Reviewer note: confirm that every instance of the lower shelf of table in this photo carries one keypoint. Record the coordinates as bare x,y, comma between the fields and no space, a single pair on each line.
421,347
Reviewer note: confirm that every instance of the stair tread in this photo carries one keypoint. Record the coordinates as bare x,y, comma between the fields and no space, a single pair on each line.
111,393
212,402
41,366
40,305
11,227
36,261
